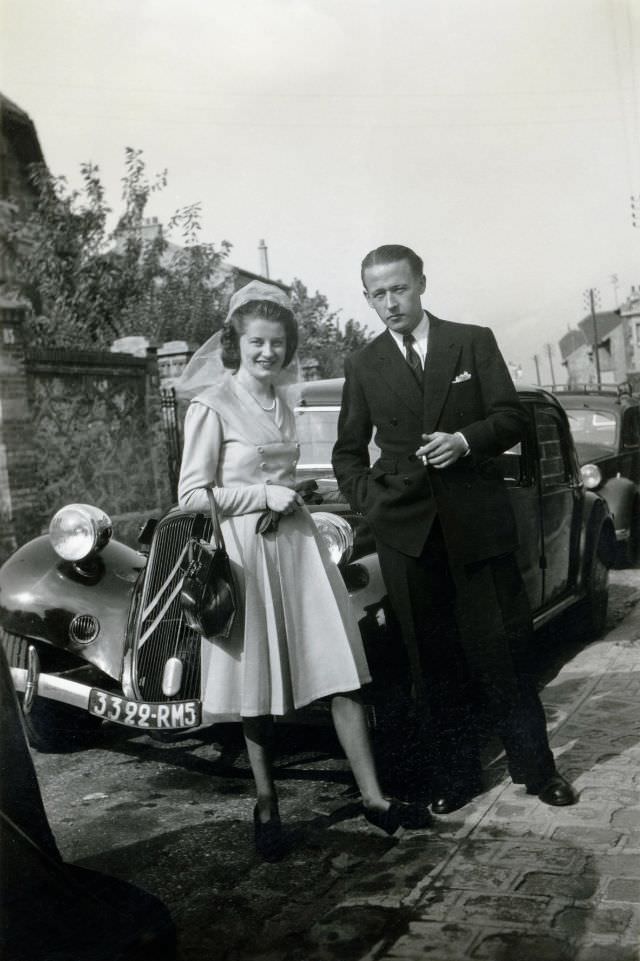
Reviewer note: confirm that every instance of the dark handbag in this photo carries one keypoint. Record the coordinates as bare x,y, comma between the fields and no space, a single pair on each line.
208,595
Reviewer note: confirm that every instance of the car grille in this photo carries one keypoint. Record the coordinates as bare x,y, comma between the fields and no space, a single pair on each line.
171,637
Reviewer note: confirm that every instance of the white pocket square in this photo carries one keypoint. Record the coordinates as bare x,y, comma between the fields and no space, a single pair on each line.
465,375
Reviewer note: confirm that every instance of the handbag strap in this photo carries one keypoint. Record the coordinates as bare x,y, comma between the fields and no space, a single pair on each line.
216,531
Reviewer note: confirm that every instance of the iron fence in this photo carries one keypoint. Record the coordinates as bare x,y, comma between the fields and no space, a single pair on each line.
171,425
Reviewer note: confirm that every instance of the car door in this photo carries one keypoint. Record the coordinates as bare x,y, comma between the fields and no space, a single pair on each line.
559,489
630,444
518,470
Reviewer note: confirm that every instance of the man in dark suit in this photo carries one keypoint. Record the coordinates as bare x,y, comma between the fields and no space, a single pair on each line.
443,407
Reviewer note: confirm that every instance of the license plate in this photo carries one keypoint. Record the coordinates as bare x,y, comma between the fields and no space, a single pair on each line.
170,715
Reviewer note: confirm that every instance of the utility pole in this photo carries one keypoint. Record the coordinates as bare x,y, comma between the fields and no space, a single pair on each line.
591,296
536,361
548,349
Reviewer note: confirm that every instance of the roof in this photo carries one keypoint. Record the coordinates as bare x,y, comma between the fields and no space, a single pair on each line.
606,321
597,397
570,342
328,393
20,131
243,277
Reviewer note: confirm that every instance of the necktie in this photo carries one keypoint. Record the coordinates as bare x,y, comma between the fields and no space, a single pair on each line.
413,357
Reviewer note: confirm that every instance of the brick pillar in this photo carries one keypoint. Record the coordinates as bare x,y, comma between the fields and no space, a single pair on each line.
18,486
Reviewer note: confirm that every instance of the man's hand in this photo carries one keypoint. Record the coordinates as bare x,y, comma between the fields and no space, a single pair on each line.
441,449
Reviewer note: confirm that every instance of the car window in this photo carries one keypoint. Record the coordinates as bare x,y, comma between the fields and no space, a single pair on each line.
592,426
555,469
317,429
631,428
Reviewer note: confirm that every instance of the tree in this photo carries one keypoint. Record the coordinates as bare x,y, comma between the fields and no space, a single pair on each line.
89,285
321,338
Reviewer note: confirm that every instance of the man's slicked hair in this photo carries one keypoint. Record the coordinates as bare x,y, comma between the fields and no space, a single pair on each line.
390,254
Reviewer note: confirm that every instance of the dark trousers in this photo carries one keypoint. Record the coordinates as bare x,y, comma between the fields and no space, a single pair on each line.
467,634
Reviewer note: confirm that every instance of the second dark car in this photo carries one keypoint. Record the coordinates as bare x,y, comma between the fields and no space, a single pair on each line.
605,424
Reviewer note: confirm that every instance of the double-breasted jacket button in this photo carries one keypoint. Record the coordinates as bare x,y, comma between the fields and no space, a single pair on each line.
261,450
263,465
268,481
406,481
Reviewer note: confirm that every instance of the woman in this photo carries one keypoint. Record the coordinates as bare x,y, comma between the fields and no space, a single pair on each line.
295,639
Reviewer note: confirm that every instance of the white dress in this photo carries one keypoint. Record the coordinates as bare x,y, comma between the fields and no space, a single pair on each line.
295,638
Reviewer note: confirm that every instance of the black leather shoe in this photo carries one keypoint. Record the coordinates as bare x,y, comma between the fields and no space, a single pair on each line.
556,791
412,817
268,838
453,800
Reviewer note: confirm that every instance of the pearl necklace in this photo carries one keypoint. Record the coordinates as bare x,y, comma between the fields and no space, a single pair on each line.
272,405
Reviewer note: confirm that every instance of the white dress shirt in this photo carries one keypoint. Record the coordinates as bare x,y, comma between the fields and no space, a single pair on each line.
420,335
421,338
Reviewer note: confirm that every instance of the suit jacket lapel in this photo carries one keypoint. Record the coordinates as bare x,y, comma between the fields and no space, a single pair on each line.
443,350
395,371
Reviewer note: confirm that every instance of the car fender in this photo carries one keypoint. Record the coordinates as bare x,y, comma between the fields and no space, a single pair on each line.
40,594
620,493
598,533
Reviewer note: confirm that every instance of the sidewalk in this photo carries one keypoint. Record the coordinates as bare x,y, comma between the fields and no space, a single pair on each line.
509,878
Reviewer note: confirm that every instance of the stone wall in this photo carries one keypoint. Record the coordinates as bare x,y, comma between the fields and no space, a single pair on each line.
78,427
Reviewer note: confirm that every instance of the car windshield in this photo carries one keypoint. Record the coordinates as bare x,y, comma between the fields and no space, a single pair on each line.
597,427
317,429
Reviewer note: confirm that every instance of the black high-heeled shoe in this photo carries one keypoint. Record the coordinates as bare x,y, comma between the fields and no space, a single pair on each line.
268,838
412,817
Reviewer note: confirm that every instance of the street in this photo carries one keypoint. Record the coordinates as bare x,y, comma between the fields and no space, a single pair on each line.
505,878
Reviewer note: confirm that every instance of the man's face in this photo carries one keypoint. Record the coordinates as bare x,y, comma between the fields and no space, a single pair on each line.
394,292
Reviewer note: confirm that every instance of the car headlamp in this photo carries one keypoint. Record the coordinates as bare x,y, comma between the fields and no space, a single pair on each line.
337,533
591,476
77,530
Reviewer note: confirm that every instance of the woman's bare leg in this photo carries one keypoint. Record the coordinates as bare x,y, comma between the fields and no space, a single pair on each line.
258,735
350,722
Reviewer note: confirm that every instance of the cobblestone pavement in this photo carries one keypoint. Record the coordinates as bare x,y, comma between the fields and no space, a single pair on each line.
510,879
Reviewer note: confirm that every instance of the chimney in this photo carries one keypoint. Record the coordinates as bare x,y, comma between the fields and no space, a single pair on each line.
264,259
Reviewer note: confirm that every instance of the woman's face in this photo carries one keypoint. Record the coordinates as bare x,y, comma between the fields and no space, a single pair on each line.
263,347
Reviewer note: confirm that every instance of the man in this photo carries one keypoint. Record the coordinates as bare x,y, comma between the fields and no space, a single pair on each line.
443,406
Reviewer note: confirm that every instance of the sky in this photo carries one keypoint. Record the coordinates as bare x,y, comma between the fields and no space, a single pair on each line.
498,138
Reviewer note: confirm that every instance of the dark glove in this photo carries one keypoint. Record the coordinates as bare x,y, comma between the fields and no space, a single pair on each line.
268,521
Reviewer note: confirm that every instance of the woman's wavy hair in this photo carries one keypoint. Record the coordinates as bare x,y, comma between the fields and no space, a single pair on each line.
263,310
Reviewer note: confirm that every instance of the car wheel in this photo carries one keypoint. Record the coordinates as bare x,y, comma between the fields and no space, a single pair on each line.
594,607
51,727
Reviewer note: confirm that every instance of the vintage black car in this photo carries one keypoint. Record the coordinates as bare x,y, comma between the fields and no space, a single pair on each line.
74,603
605,423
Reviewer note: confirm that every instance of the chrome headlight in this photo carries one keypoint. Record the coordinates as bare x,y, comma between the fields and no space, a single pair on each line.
78,530
337,534
591,476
